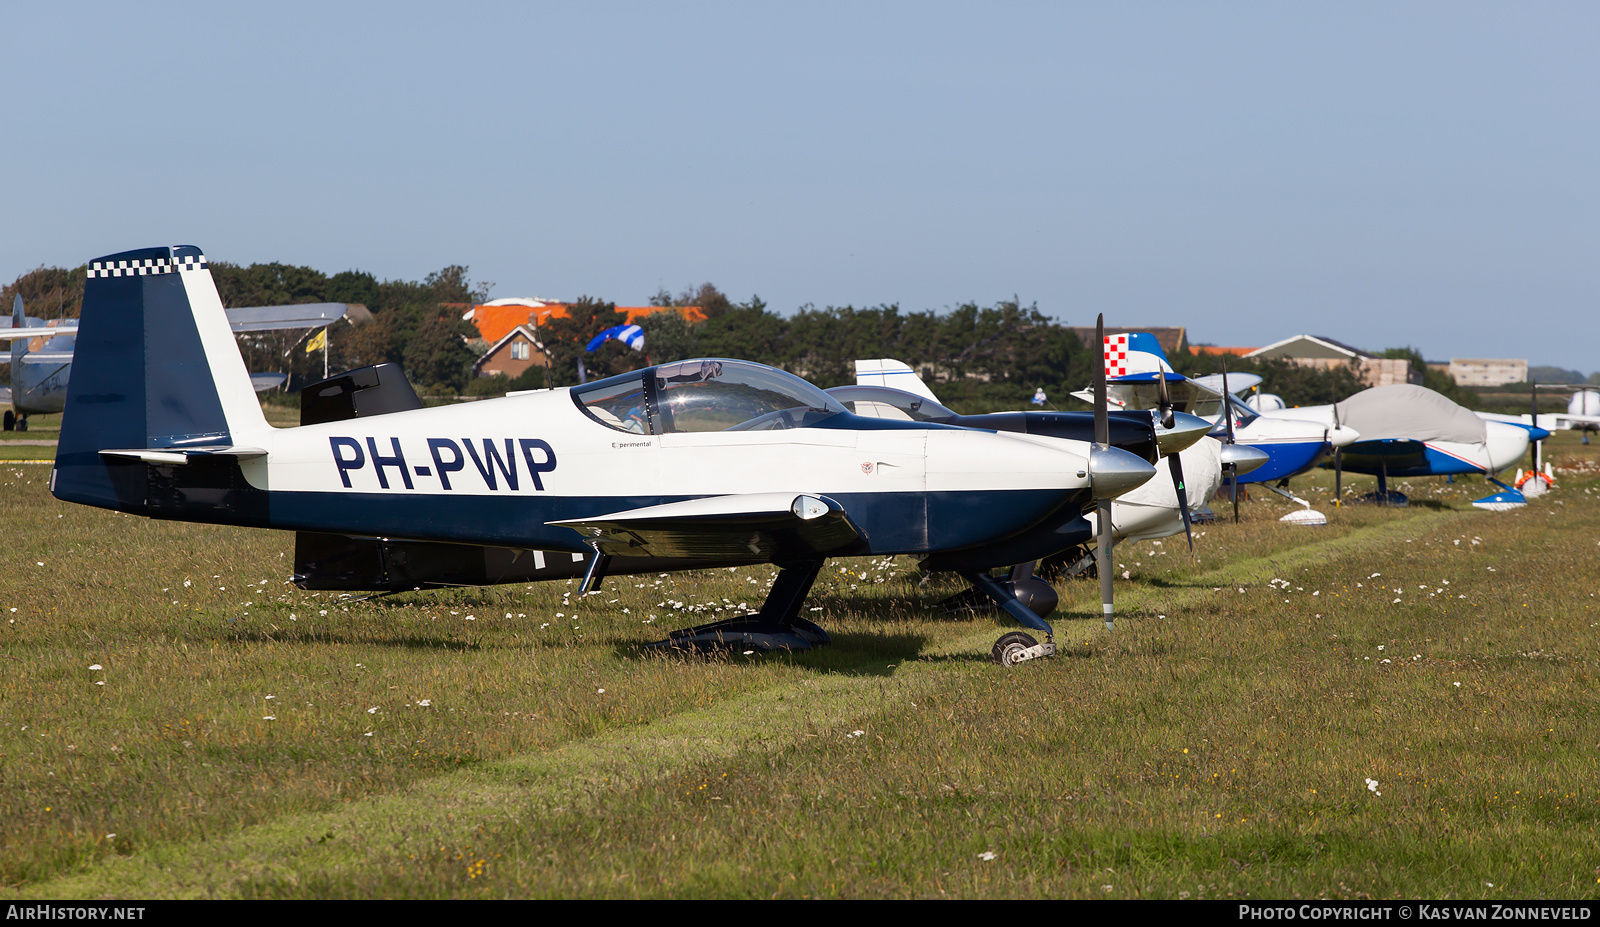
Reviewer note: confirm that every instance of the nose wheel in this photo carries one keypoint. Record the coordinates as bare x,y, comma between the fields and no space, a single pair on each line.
1016,647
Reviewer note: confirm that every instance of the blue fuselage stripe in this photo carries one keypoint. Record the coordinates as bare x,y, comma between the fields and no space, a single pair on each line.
1285,459
891,523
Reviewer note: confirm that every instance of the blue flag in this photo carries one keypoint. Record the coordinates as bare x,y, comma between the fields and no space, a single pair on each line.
630,335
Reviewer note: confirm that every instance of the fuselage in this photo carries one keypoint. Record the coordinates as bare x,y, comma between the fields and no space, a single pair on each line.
495,472
1504,443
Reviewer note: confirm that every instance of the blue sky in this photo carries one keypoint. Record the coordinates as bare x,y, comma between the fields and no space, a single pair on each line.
1380,173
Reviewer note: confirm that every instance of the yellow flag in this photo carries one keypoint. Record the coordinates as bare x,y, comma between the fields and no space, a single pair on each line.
317,343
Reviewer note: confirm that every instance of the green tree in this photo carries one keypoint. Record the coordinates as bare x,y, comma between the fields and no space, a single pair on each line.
352,286
564,340
437,355
48,292
670,337
268,284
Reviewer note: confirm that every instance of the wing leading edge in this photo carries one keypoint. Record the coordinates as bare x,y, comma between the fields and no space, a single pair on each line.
769,526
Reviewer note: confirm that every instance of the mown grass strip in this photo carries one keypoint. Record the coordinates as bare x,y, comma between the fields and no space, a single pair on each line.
1253,570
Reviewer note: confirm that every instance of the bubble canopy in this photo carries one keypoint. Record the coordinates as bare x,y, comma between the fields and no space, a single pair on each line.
704,395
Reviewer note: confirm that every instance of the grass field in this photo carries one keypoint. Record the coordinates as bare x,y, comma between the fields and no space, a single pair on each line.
1401,703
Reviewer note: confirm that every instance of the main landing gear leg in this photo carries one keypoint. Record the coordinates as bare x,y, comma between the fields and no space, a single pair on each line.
1014,647
778,626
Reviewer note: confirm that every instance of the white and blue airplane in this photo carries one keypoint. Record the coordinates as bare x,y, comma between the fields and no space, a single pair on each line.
1583,414
1135,362
889,388
1409,430
701,463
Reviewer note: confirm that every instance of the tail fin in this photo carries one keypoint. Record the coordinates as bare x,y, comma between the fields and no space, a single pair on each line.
1134,352
19,346
155,366
894,374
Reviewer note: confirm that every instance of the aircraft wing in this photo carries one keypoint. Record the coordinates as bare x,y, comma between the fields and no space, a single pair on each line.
274,318
1238,382
771,526
1143,391
240,319
11,334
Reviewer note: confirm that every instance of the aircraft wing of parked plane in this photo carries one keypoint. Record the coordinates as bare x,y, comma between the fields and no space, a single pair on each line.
701,463
1583,414
240,319
41,371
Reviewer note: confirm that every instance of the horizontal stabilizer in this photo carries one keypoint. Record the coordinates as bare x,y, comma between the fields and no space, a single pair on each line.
1238,382
771,526
53,331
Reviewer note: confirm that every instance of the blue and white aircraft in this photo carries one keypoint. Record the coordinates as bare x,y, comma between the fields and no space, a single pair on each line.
889,388
695,464
1135,362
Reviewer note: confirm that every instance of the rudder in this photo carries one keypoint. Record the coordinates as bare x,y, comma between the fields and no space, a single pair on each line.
155,366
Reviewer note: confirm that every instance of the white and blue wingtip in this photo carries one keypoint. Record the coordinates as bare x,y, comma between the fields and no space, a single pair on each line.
1503,501
886,371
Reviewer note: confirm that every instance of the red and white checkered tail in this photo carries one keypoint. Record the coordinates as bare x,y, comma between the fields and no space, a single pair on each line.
1133,352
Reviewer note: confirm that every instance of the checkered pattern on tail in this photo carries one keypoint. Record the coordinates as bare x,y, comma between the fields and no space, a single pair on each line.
146,266
1116,354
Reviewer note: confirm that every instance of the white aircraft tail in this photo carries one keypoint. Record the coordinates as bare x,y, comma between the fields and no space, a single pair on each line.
893,374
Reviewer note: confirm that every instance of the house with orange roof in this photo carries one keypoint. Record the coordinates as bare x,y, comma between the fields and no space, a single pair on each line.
1212,349
511,327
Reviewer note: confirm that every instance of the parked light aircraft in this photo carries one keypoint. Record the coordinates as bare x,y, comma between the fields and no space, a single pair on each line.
1134,364
1409,430
1583,414
41,353
694,464
1138,370
1148,512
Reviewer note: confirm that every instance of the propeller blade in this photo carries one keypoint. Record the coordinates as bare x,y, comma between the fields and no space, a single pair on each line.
1102,425
1227,414
1533,390
1338,474
1338,461
1166,418
1227,403
1103,558
1176,466
1233,489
